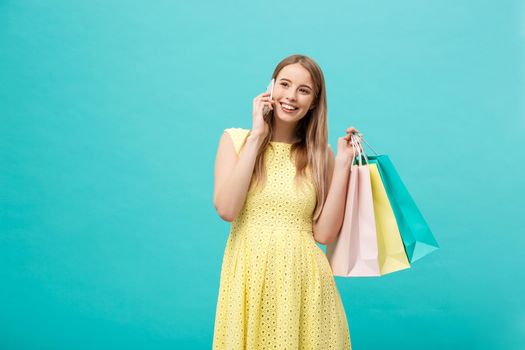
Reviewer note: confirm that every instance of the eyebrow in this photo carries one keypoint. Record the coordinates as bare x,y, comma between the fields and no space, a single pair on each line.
299,85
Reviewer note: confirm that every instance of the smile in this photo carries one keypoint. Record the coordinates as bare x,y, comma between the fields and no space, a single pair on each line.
287,108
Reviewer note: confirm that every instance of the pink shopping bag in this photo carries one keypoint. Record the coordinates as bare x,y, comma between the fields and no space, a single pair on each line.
355,252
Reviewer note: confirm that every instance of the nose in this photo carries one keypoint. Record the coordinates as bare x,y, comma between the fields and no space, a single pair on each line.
290,96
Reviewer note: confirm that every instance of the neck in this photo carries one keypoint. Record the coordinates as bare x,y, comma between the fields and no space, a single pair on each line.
283,131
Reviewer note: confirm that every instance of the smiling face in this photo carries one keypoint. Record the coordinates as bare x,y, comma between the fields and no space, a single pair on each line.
293,88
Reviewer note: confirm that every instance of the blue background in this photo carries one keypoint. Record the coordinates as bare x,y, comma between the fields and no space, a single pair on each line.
111,113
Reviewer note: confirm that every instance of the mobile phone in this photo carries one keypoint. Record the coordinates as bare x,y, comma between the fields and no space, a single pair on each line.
270,90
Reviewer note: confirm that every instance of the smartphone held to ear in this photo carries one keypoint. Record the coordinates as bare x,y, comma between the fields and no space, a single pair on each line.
270,90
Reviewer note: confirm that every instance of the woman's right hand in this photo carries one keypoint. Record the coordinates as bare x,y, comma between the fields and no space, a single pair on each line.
259,125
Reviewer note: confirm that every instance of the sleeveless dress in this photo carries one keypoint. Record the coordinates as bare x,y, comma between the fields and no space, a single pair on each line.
277,289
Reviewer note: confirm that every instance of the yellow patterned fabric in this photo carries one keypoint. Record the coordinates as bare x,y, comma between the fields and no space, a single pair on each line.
277,289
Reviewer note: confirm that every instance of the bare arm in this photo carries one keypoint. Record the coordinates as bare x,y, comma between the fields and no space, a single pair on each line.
233,174
327,227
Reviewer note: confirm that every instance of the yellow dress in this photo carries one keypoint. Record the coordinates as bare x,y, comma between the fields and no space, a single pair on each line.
277,289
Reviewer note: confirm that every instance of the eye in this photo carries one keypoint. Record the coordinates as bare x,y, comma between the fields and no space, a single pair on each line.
306,91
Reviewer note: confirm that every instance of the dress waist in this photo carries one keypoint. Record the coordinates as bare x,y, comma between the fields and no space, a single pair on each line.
289,226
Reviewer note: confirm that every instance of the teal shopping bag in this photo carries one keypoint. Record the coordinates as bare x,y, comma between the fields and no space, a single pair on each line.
415,232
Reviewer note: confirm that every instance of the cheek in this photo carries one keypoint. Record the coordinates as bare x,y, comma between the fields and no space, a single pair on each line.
307,101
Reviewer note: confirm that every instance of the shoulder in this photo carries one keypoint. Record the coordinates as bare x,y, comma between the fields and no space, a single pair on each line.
237,136
236,131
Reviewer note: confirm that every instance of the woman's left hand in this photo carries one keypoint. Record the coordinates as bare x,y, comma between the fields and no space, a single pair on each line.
345,151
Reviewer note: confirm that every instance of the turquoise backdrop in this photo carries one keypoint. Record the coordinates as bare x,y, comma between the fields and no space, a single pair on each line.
110,117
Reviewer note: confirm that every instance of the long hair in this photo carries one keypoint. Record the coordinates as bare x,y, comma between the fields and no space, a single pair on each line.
310,152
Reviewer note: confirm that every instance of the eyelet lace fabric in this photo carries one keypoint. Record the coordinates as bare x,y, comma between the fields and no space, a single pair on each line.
277,289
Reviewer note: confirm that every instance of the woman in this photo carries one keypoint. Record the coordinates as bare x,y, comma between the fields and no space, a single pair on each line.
282,189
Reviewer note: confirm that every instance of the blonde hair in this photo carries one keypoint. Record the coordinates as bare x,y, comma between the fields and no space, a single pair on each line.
312,131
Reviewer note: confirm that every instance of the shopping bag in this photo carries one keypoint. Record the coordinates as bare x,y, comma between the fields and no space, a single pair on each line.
417,237
341,254
392,255
355,252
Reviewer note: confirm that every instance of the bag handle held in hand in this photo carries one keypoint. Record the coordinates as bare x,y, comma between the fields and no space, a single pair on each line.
361,152
356,149
361,137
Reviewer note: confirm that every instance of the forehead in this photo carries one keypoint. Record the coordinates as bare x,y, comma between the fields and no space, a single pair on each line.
296,73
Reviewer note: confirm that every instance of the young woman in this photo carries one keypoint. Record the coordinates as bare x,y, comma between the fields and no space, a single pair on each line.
282,189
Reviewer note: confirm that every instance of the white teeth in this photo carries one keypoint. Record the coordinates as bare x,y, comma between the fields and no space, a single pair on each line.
288,106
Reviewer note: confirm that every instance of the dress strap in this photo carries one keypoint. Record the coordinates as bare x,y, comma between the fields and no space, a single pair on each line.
238,136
